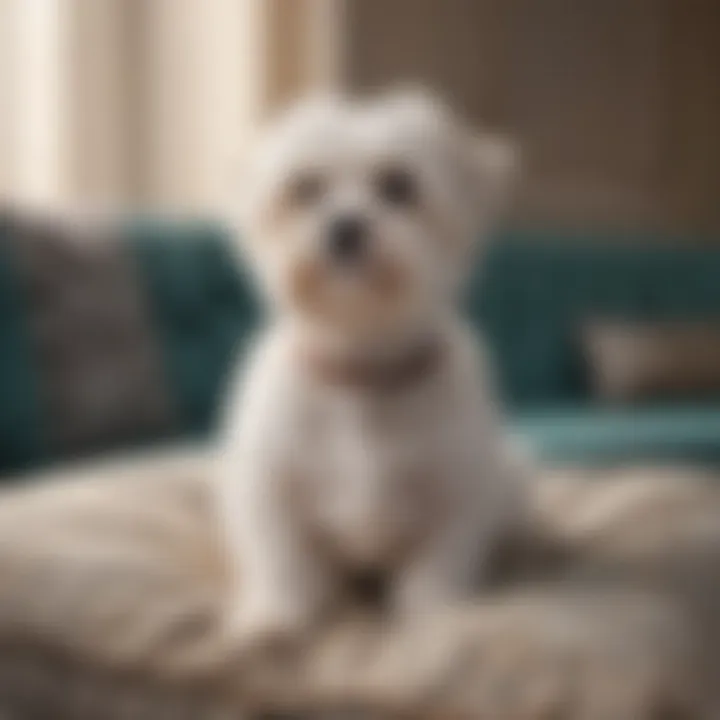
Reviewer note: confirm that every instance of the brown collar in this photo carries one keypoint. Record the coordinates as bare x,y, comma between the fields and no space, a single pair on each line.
379,375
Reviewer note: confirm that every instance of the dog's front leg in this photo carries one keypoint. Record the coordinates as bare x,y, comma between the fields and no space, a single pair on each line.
447,569
281,584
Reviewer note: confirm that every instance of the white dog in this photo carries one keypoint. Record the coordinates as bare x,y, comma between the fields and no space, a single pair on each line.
363,435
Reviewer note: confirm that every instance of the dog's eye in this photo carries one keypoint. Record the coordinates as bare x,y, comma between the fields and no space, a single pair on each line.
306,189
397,186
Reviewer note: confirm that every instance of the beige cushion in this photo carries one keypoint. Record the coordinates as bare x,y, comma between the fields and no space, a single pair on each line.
648,361
112,580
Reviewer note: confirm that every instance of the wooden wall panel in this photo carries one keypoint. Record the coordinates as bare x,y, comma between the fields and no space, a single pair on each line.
615,103
454,46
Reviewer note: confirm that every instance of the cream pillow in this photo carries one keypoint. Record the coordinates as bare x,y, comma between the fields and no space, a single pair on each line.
636,361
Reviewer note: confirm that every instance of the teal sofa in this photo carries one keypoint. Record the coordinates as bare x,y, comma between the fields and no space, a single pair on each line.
530,295
536,293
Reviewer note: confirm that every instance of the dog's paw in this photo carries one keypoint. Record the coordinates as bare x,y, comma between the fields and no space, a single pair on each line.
265,633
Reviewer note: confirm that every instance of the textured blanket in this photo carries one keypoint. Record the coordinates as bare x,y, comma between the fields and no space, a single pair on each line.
112,581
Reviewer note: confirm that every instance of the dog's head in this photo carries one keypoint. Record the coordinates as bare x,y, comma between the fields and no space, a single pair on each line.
361,216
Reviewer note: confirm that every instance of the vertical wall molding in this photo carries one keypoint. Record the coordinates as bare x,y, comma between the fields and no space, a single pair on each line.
34,100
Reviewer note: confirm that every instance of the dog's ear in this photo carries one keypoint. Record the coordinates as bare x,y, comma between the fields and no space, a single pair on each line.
492,164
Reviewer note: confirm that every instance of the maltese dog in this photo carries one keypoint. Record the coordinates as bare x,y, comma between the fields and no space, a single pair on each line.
362,436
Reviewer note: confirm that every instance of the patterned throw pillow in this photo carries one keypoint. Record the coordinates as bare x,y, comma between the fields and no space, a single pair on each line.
99,376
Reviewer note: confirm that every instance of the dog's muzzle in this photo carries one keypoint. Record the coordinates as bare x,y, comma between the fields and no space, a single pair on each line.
347,239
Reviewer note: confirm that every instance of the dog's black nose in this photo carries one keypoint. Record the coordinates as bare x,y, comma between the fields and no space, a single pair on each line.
347,238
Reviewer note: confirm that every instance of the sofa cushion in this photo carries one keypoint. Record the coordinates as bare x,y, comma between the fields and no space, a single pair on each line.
682,433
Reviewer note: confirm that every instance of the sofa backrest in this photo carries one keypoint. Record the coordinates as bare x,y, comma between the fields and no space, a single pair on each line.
202,306
534,292
530,296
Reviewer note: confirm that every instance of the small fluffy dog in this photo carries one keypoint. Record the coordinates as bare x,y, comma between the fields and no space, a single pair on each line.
363,434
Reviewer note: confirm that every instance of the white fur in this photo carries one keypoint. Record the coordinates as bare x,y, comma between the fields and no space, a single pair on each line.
316,476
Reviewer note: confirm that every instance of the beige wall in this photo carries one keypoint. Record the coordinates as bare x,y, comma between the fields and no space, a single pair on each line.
158,95
615,102
147,102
